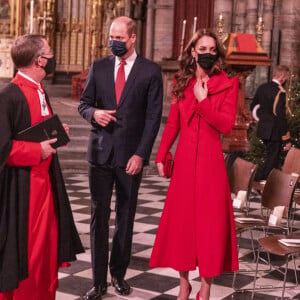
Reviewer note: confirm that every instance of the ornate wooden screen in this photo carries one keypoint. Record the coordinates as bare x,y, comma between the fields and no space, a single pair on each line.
81,31
73,34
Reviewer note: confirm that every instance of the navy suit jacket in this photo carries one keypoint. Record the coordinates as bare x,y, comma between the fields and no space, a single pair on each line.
270,127
138,112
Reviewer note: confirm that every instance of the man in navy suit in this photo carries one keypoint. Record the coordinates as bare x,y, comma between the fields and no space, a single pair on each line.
125,122
271,105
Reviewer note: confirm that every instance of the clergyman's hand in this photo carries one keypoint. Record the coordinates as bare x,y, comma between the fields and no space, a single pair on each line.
134,165
103,117
46,149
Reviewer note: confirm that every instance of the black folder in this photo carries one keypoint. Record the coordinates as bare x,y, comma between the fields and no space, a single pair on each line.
49,128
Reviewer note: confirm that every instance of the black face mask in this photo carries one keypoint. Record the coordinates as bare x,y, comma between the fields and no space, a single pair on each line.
50,66
118,48
207,60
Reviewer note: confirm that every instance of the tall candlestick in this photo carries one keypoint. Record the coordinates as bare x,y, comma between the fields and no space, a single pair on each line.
220,26
259,29
195,25
31,16
183,29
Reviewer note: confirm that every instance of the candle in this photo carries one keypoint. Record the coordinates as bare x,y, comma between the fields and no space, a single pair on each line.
220,17
183,29
31,16
195,25
260,19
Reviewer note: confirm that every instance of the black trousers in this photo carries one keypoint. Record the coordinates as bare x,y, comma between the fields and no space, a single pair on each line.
101,180
271,159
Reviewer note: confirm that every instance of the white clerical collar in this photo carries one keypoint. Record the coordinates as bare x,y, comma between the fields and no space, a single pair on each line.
129,60
276,81
28,78
42,97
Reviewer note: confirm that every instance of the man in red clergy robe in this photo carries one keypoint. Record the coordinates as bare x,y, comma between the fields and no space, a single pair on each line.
37,231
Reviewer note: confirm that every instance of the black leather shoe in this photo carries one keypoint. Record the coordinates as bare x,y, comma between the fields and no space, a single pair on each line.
121,286
96,292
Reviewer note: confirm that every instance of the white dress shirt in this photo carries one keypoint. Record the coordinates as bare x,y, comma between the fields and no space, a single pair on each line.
128,66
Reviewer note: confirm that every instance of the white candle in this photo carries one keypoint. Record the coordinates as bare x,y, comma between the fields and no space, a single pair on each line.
183,29
195,25
220,17
260,19
31,16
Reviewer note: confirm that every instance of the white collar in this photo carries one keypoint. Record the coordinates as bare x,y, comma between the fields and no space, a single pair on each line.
276,81
28,78
128,60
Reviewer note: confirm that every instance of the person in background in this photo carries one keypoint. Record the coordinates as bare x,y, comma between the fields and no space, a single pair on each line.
37,231
122,100
197,226
270,105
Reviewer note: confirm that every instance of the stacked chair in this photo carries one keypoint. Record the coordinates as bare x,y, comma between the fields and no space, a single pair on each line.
281,190
278,191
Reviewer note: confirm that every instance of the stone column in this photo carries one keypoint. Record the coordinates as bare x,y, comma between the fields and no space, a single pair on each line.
251,17
270,32
127,9
289,33
268,19
239,15
274,55
163,32
150,30
249,27
224,7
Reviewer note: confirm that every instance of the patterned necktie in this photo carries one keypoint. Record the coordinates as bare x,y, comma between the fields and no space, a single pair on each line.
120,80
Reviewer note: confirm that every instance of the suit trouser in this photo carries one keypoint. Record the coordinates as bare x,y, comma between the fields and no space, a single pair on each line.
271,159
101,179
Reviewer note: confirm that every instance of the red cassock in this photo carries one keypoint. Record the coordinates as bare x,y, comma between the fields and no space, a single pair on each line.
197,224
42,224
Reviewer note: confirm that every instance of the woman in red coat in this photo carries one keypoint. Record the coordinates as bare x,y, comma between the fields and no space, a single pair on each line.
197,225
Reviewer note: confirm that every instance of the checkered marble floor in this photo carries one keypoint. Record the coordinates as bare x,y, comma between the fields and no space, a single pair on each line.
148,283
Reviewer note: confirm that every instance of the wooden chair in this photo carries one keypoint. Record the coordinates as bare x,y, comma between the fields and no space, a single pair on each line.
278,191
291,165
272,245
240,176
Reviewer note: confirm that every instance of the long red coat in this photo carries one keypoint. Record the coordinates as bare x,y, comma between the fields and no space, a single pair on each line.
197,225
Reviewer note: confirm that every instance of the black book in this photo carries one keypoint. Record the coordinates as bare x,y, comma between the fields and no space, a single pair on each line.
47,129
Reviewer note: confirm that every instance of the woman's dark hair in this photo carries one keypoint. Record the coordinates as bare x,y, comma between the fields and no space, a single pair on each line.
188,65
26,48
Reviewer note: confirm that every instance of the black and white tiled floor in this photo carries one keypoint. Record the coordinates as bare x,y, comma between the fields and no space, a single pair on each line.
150,283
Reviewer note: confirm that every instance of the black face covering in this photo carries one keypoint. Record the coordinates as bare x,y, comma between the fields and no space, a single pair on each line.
118,48
50,66
207,60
